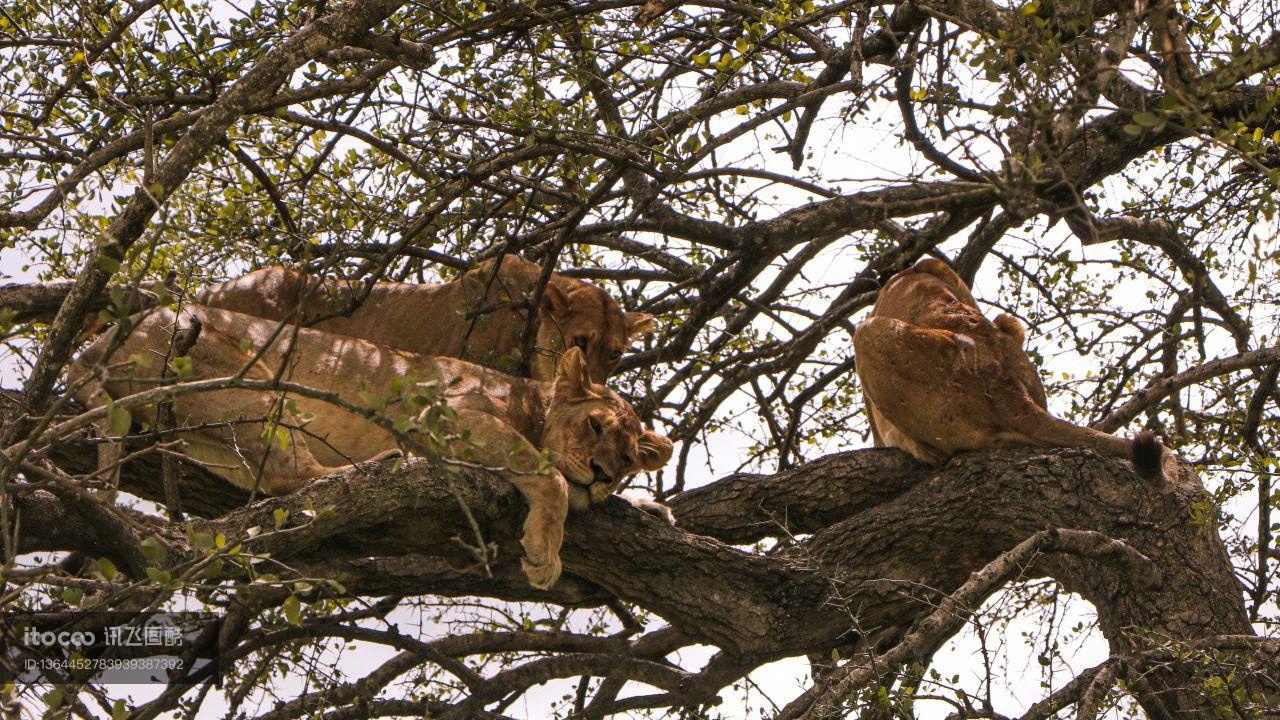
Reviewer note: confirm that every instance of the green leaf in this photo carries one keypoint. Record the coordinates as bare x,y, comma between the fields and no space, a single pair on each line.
280,515
53,699
107,569
182,367
107,264
152,549
293,610
1146,119
161,291
118,421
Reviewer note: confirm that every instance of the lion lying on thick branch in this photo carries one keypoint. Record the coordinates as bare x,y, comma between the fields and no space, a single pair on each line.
940,378
478,317
540,433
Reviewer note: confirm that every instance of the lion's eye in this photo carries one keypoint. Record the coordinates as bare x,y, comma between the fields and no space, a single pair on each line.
627,459
580,342
596,427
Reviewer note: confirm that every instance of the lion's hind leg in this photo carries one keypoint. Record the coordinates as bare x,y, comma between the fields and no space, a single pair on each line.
545,489
247,436
109,450
263,449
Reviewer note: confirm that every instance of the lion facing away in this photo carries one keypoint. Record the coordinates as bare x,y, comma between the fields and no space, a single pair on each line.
478,317
263,439
939,378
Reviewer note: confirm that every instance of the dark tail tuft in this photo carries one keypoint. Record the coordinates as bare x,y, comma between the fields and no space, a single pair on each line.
1147,454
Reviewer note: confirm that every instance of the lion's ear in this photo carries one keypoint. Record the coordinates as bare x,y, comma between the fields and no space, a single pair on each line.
555,300
655,450
639,323
572,380
1010,326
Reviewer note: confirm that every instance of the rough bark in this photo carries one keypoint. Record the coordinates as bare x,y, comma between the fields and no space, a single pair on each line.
39,302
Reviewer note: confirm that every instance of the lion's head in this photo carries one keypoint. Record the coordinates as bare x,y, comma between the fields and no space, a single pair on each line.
594,436
919,293
572,314
578,315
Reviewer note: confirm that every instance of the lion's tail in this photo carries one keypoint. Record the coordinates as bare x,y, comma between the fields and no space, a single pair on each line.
1146,452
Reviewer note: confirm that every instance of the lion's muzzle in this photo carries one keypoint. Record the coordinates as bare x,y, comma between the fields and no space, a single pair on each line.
598,475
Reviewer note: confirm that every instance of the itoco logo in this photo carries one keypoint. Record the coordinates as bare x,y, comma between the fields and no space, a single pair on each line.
35,638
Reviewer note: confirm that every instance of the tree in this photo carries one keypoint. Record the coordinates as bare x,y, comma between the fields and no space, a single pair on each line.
750,173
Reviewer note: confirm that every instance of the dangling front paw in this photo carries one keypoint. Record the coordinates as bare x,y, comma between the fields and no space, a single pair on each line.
543,574
579,498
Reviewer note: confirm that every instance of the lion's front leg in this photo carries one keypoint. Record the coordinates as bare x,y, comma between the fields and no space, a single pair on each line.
496,444
548,497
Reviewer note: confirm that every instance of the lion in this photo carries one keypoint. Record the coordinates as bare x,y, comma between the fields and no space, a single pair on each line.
939,378
479,317
261,439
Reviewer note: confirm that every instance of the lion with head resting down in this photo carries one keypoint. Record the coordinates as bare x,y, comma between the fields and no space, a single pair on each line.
258,439
939,378
479,317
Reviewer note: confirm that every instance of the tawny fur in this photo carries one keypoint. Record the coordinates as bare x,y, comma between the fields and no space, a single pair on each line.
479,317
594,437
939,378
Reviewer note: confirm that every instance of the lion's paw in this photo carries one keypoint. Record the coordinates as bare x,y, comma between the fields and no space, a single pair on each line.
542,575
598,492
652,507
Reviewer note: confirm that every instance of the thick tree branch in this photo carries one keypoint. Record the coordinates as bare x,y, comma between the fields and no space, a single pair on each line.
882,529
39,302
1161,388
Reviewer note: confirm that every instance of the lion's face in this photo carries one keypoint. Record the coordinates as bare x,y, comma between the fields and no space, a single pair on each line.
586,317
594,436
